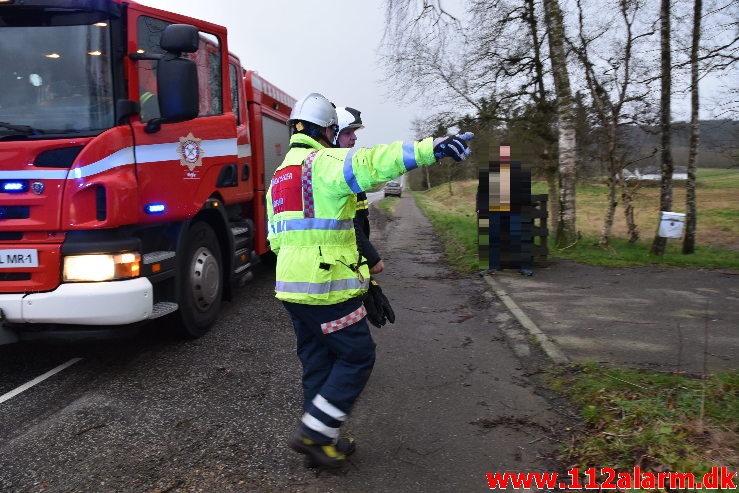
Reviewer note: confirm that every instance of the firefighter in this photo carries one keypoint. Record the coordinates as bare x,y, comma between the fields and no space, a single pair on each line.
320,278
350,121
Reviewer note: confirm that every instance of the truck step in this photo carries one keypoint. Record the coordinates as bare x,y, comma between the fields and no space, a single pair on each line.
242,235
163,308
239,230
240,266
242,229
159,256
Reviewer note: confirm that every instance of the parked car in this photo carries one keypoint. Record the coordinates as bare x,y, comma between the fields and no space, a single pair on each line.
392,188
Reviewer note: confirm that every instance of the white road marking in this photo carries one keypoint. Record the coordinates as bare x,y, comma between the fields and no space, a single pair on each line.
38,380
549,347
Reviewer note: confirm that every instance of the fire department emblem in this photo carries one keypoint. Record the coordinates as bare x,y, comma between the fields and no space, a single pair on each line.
37,187
190,151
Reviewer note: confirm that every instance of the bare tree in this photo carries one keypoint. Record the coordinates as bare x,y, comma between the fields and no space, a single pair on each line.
544,111
690,191
424,53
492,64
720,53
509,37
503,59
614,88
666,164
566,224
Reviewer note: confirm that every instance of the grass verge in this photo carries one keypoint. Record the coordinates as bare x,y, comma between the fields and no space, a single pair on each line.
656,421
455,222
388,205
621,253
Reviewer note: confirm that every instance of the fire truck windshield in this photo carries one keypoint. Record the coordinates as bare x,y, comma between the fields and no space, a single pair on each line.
55,80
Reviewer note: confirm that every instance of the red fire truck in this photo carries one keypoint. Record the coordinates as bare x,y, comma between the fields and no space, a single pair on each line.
135,153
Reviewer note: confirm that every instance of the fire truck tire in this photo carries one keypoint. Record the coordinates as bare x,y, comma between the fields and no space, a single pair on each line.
201,278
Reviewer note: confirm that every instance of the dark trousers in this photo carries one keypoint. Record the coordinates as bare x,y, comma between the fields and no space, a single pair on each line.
336,366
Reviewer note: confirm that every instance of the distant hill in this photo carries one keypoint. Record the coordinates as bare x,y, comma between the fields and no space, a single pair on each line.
719,143
714,134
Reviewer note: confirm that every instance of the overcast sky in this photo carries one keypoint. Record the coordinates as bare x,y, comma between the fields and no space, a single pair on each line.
325,46
329,46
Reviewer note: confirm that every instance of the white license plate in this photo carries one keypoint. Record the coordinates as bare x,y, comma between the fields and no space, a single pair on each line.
12,259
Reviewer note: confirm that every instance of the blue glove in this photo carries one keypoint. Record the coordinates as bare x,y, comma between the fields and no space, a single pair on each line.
454,146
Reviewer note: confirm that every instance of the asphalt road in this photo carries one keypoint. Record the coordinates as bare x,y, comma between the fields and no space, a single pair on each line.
659,318
448,401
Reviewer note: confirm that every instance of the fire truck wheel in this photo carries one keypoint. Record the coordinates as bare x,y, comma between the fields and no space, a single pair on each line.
202,281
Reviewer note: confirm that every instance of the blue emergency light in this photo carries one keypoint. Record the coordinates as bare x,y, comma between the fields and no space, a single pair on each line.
154,208
14,186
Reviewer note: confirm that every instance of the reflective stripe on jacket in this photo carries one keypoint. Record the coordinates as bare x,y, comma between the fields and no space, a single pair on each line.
362,203
311,204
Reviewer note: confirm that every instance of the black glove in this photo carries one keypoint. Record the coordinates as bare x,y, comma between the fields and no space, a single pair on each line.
454,146
379,311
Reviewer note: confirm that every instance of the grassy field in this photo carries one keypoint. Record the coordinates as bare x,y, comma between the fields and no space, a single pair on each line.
657,421
718,209
717,241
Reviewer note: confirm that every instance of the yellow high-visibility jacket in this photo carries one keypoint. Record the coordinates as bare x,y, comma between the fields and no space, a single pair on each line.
311,204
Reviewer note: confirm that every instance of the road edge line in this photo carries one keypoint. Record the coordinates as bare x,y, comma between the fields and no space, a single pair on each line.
549,347
9,395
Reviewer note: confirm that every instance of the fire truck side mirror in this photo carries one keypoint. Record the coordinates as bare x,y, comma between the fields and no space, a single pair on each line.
177,78
177,89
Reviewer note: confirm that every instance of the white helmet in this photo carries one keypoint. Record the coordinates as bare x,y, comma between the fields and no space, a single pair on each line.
315,108
348,118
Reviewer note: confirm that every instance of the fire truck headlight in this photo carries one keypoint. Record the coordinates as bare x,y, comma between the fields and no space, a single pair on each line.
104,267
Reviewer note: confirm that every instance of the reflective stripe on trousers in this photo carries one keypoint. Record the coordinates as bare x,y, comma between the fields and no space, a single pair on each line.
336,365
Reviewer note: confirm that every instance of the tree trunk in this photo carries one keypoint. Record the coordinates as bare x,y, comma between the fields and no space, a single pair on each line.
605,233
540,99
691,206
614,168
665,196
553,191
566,225
627,197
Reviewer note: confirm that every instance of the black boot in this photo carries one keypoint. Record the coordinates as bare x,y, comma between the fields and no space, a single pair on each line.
346,446
322,455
